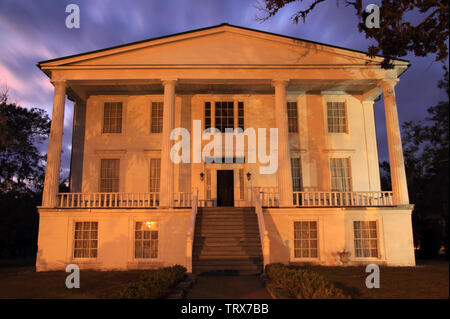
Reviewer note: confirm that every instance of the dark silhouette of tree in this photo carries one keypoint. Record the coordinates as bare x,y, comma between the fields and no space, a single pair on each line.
426,160
397,35
21,177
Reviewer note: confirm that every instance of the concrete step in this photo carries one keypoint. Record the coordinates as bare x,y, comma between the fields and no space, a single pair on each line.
227,261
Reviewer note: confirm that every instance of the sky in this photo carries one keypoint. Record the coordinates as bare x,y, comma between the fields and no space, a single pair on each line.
35,30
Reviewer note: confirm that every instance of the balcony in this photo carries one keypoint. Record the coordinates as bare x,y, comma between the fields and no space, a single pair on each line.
269,198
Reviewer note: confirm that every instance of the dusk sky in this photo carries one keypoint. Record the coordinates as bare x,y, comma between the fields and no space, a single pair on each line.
32,31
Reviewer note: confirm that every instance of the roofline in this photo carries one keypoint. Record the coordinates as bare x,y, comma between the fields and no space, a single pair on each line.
203,29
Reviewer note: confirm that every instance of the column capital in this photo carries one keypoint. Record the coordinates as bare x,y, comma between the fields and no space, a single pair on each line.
59,84
276,83
388,84
169,81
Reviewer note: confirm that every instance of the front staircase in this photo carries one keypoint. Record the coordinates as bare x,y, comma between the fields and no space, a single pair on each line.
227,240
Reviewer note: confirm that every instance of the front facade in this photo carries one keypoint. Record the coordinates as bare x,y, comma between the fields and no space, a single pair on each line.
315,185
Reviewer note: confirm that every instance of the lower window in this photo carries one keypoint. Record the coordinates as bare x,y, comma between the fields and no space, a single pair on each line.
305,239
366,241
85,240
146,240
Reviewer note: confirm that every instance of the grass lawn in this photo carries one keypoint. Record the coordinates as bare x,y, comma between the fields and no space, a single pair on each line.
429,279
24,282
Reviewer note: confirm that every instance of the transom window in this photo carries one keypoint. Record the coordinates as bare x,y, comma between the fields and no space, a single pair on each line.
146,239
155,173
340,175
336,115
296,170
305,239
156,117
112,117
109,175
292,117
366,241
224,115
85,240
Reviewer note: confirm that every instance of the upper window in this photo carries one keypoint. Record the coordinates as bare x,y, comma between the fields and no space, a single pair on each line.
336,115
85,240
146,240
365,235
112,117
296,170
340,175
109,175
224,115
292,117
156,117
305,239
155,171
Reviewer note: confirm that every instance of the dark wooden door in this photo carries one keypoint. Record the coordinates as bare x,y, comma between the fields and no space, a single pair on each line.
225,188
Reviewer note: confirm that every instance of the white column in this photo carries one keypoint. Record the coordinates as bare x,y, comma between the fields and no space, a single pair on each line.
166,181
51,183
398,175
284,160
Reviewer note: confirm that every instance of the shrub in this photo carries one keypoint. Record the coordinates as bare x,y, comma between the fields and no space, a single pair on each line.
155,284
302,284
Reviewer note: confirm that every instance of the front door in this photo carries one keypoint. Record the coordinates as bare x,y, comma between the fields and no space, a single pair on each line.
225,188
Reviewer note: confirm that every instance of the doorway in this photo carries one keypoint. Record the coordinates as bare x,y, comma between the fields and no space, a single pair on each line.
225,188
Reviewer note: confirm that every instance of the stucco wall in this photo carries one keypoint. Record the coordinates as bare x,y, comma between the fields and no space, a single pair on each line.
136,145
115,239
335,232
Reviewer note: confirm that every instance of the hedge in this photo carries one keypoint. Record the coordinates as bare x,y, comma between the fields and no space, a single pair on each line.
156,284
302,284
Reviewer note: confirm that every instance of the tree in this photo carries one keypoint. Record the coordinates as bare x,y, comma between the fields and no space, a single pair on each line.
426,151
21,164
396,36
21,177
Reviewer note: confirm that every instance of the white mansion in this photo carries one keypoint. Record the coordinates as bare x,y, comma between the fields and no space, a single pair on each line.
130,206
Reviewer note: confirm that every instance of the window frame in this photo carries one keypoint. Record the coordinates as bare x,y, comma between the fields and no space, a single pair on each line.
150,174
320,248
100,174
133,262
349,171
143,239
300,170
151,116
72,252
104,102
378,239
296,131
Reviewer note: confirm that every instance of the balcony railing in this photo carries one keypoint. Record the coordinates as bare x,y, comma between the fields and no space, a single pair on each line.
333,199
268,197
108,200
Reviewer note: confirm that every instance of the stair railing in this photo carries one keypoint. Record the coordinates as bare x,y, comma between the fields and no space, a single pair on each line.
191,231
263,233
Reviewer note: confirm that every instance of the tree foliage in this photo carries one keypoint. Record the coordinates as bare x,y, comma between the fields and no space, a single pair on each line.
21,164
426,150
21,177
397,35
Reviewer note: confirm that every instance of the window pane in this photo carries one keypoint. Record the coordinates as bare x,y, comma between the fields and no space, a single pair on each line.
156,117
109,175
336,117
365,238
112,117
305,239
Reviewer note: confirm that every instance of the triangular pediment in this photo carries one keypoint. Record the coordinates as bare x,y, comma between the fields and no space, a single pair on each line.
215,46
